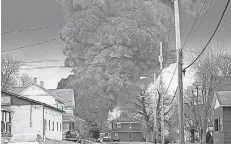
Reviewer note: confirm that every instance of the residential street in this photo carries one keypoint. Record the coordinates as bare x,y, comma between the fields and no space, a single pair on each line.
116,72
60,142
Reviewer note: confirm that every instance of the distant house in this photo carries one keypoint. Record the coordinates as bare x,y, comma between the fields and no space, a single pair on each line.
127,129
24,115
70,122
222,117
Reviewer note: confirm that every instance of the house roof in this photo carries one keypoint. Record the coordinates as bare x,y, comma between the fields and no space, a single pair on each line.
224,98
30,100
124,129
125,119
225,84
18,90
66,95
69,117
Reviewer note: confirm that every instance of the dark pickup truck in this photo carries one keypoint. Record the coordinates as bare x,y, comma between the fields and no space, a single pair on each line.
71,136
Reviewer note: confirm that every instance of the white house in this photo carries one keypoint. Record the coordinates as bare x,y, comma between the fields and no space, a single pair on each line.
29,115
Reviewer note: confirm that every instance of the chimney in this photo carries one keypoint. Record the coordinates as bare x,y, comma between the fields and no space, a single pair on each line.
35,80
41,83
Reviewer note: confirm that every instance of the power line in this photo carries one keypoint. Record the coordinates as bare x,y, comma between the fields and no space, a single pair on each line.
173,97
210,37
199,24
171,80
32,29
47,41
194,23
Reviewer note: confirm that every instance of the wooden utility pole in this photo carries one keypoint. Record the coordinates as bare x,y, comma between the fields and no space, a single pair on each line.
154,110
180,81
161,94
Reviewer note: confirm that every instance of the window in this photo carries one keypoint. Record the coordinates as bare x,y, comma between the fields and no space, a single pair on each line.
57,126
2,126
129,135
7,117
69,125
3,116
53,126
116,134
60,126
118,125
220,124
49,125
45,124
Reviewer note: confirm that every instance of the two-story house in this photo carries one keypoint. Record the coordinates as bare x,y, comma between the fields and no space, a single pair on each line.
125,128
40,94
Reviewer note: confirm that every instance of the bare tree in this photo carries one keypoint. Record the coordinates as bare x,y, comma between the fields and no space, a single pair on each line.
143,105
9,71
210,70
25,80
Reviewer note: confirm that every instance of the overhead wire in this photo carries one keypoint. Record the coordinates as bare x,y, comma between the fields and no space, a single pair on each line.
39,43
31,29
199,24
194,23
223,13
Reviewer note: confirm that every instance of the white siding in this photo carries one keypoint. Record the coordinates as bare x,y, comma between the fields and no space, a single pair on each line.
21,119
36,93
56,117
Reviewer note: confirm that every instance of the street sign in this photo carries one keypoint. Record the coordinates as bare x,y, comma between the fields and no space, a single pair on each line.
5,100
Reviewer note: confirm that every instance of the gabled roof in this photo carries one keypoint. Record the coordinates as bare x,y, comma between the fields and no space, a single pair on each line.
223,97
124,129
30,100
225,84
125,117
66,95
19,90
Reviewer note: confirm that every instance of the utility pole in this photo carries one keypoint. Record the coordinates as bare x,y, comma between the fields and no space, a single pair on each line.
154,109
161,94
179,63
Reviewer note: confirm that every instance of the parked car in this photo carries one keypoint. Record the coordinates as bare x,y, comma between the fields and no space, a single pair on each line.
106,139
71,136
116,137
25,138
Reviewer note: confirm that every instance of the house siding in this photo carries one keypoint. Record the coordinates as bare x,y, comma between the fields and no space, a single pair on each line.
27,119
127,124
56,117
218,135
227,125
135,136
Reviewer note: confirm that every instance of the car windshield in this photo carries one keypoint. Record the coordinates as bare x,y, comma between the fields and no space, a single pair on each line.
24,138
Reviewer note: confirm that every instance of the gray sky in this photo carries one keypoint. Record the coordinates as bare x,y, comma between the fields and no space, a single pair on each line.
23,14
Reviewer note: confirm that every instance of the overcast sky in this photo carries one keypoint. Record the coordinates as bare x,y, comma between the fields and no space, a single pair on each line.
24,14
